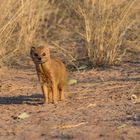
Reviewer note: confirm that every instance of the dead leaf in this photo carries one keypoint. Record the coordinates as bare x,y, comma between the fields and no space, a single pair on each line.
23,116
72,82
83,67
121,126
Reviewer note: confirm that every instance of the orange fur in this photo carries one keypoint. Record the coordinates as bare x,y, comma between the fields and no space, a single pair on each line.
52,74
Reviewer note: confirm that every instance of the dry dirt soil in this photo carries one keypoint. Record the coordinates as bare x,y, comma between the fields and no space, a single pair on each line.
98,107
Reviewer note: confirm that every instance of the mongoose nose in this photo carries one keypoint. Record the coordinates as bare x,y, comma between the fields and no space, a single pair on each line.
39,58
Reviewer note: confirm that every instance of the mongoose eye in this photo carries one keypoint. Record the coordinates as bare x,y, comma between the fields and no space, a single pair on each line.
35,54
43,54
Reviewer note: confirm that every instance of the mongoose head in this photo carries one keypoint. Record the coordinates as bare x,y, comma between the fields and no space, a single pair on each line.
40,54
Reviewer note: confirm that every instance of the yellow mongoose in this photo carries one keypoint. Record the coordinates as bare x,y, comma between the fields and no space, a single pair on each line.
52,74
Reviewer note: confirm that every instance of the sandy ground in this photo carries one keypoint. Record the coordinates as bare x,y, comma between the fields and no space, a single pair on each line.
98,107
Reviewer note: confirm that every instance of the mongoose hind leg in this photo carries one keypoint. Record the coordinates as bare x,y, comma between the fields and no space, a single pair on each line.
61,93
50,96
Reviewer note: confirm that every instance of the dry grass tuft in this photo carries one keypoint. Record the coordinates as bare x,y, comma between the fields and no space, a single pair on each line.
98,25
18,26
103,26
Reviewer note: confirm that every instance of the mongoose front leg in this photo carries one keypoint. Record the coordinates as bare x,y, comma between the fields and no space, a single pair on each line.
43,87
45,93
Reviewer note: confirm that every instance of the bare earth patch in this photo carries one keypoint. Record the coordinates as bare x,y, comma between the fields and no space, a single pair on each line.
99,106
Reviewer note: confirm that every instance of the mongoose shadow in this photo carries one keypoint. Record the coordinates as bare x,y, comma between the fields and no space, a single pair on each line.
35,99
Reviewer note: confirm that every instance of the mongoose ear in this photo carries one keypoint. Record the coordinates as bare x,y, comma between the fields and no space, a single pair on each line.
32,48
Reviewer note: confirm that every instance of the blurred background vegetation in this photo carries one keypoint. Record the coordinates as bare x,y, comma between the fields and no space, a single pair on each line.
94,32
